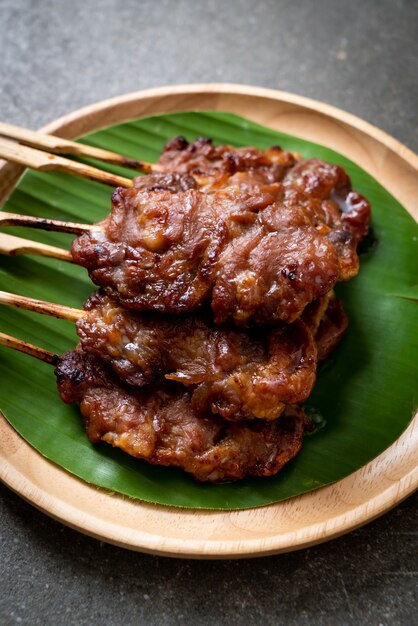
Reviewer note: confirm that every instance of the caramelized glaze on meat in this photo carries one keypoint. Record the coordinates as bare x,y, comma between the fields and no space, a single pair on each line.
160,425
201,157
237,374
260,236
258,251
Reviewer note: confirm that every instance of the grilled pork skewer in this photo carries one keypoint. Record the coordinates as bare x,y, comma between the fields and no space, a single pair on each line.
258,254
160,426
327,333
238,375
197,158
46,158
234,373
258,244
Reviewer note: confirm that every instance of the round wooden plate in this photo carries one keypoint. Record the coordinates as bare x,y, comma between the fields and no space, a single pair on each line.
285,526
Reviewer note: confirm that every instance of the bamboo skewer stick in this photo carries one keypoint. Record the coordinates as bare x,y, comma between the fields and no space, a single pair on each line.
14,246
15,219
44,162
40,306
28,348
58,145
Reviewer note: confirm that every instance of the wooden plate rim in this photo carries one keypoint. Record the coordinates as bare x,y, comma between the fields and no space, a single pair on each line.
205,547
236,89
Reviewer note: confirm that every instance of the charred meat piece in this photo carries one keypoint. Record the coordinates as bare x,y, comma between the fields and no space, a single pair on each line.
160,425
258,252
202,158
159,250
237,374
331,184
314,178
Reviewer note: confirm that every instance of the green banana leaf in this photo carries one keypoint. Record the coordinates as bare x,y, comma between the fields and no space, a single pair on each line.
366,392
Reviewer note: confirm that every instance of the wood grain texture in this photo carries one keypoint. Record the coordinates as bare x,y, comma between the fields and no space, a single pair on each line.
46,162
57,145
58,226
289,525
13,246
41,306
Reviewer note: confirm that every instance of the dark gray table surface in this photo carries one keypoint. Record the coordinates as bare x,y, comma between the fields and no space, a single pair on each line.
56,56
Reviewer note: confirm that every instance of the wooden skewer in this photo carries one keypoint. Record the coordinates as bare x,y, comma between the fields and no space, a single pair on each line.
15,219
57,145
44,162
13,246
40,306
28,348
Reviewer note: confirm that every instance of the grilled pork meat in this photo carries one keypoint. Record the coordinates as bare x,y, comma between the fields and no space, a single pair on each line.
235,373
201,158
258,252
160,426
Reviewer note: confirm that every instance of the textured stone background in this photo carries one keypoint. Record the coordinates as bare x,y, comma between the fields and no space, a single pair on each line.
59,55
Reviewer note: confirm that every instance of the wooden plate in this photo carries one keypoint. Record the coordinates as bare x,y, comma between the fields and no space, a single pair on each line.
296,523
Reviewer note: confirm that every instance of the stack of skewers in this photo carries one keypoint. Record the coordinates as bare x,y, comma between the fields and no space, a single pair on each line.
216,272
